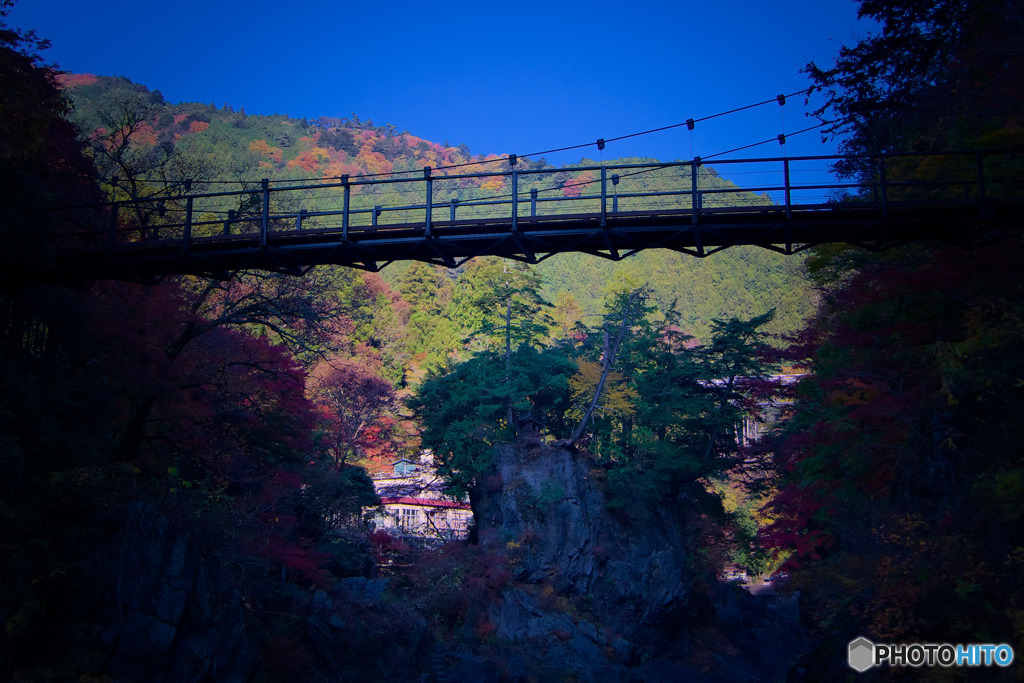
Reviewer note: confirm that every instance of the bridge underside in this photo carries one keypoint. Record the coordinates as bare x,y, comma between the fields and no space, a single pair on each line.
532,240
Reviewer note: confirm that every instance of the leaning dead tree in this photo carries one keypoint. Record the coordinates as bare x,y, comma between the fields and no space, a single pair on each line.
611,351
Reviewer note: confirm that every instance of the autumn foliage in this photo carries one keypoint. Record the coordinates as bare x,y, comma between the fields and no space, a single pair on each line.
898,471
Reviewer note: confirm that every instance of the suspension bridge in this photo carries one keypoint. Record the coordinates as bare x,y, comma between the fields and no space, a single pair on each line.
523,212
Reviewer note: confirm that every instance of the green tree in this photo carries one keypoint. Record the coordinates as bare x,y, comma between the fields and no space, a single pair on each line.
567,315
941,74
463,412
498,304
690,402
428,289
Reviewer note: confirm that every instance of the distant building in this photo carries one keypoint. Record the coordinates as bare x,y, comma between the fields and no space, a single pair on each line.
415,506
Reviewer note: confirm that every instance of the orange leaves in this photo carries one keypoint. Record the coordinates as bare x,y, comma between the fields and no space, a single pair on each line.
337,169
311,160
373,162
198,126
494,184
76,80
143,135
263,148
577,185
429,158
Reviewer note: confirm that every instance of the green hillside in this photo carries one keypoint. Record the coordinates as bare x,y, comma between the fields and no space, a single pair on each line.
211,144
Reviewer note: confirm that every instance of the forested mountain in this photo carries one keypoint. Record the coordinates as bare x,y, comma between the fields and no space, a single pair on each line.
206,143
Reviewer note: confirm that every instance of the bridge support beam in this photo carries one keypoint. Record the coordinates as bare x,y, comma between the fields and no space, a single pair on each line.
986,209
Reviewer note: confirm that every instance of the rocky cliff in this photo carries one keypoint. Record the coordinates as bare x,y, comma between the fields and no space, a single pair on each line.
635,573
616,596
152,609
559,587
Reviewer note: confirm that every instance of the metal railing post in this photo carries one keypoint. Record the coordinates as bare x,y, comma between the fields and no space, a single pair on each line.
430,199
346,193
604,196
515,192
533,202
265,219
376,214
694,197
615,198
299,218
455,203
789,203
228,222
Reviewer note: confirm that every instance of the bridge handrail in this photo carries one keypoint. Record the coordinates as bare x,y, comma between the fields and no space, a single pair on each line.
330,183
881,191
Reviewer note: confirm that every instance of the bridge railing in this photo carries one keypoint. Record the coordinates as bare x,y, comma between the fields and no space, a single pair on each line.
519,196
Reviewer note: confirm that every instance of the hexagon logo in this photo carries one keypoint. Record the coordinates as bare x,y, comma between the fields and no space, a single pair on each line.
861,655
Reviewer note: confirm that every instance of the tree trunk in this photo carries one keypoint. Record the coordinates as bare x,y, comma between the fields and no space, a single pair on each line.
610,353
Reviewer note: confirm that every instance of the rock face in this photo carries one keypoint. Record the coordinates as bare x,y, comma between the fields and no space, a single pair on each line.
593,595
546,500
359,637
153,610
612,599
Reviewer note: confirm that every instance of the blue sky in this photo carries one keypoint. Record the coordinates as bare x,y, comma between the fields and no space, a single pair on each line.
501,77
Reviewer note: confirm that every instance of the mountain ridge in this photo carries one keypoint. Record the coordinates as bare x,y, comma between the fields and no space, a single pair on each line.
222,144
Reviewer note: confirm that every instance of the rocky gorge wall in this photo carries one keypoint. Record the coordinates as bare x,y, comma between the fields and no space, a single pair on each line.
571,589
631,603
153,609
547,499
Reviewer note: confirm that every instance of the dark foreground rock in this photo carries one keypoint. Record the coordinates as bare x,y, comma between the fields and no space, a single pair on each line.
563,589
628,603
151,609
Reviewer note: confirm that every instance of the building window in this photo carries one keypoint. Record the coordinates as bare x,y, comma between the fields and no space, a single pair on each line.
408,518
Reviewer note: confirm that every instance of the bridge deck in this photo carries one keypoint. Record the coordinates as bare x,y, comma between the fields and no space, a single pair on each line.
534,240
684,218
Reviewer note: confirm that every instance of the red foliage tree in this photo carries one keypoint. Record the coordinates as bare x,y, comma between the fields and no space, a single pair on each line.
897,472
355,407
